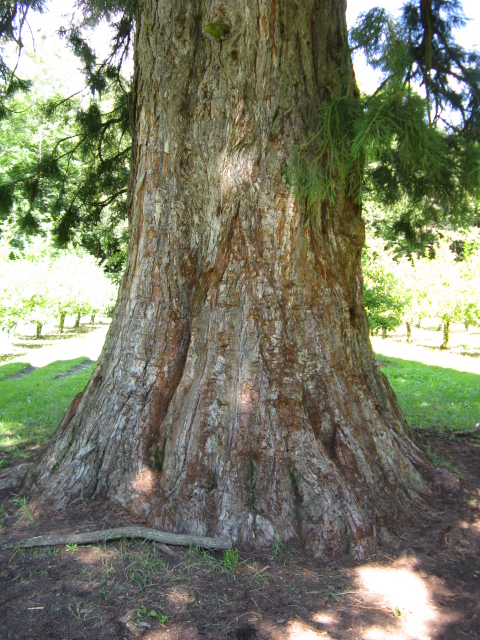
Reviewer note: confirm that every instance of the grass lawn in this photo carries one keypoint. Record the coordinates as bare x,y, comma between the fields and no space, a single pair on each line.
32,406
433,397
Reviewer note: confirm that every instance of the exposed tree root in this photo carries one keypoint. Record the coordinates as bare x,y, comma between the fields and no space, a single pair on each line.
177,539
468,432
12,477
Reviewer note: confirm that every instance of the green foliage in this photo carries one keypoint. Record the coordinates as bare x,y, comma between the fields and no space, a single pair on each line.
32,406
229,562
384,296
419,50
451,287
382,146
70,175
101,74
406,290
433,397
13,21
412,148
142,613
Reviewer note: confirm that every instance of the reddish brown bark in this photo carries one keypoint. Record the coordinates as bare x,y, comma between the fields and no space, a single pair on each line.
237,394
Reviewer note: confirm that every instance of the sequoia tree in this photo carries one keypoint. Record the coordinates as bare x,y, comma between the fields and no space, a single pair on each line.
237,394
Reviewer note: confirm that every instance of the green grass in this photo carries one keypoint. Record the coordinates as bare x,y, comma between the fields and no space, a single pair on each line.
12,369
433,397
32,406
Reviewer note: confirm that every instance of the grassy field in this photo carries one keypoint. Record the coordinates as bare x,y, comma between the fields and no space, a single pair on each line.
434,398
31,406
34,400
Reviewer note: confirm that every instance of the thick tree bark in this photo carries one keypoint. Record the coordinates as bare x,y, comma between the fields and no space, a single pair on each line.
237,395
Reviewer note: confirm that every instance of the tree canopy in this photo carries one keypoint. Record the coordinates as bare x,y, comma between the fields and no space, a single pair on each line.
65,161
411,149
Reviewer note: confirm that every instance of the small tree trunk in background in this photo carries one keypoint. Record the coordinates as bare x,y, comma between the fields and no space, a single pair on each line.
446,335
11,329
77,321
384,333
409,331
467,325
92,318
237,394
38,330
61,324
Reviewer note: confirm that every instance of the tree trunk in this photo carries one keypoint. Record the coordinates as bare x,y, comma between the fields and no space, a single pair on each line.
92,318
446,335
238,395
409,331
11,329
38,330
61,324
384,333
77,321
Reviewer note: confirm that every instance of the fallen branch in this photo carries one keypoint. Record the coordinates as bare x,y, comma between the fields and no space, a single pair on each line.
177,539
468,432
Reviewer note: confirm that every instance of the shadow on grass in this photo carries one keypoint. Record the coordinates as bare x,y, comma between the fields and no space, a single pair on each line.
32,342
33,401
434,398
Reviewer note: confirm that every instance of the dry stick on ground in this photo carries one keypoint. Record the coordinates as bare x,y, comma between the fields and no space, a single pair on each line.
468,432
177,539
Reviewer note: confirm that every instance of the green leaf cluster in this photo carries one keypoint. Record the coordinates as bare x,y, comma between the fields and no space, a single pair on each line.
382,146
64,168
13,22
410,151
444,286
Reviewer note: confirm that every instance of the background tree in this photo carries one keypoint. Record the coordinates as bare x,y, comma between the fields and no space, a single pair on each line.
447,289
386,294
470,274
39,284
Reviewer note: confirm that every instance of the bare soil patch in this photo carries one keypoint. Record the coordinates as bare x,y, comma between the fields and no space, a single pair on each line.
80,367
422,582
22,374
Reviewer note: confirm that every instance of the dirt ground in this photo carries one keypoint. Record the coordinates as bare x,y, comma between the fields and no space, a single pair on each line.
422,582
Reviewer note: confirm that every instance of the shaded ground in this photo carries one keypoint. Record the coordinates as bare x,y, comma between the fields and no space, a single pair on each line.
423,582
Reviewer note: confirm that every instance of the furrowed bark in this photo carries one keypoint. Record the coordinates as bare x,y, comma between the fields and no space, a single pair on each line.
238,395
